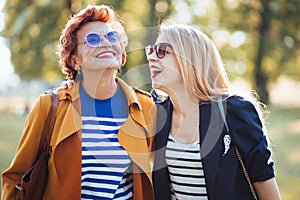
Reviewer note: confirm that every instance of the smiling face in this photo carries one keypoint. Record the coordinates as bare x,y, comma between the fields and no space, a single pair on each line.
165,72
105,56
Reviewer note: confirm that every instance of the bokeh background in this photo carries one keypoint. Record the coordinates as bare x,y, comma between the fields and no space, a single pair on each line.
259,41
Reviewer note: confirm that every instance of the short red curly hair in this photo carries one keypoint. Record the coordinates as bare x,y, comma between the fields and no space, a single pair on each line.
68,39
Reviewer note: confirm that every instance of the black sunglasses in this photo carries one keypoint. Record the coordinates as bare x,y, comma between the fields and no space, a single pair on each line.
95,39
160,49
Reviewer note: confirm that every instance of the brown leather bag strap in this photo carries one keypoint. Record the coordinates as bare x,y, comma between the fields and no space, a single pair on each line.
49,123
246,173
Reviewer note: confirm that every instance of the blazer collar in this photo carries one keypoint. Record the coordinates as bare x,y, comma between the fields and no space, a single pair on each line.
210,128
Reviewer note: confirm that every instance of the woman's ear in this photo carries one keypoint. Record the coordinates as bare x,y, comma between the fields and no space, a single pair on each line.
123,58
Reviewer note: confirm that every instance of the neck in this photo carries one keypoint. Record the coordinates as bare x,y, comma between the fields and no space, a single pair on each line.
100,85
185,116
184,102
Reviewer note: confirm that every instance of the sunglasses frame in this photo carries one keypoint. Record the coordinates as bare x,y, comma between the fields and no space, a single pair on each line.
118,36
155,49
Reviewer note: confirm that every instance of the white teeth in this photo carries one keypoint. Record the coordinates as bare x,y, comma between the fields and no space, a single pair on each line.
105,54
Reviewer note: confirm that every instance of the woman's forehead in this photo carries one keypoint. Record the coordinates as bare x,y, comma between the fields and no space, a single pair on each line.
162,38
97,27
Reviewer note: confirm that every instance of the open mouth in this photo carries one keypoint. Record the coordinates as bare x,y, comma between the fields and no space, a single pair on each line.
155,73
105,54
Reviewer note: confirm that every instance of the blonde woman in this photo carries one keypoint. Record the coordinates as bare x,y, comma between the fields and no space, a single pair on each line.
193,159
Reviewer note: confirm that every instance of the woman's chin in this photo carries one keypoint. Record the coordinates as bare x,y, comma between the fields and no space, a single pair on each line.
156,85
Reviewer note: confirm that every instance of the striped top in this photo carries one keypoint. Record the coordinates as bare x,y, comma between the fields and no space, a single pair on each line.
106,166
185,170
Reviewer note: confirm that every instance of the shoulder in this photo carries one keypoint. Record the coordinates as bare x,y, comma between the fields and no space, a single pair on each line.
243,114
237,104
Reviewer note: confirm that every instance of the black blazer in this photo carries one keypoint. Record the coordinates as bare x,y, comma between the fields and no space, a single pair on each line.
224,176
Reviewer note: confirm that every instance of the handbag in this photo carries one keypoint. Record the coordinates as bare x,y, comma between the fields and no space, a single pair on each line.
227,141
34,181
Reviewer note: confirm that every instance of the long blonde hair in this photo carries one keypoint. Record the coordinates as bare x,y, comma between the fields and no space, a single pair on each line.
199,61
201,66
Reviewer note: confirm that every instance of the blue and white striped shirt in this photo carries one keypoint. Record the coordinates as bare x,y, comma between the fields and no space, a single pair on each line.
106,166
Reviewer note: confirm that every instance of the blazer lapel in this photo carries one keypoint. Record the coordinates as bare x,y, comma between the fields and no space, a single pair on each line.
163,124
211,128
161,180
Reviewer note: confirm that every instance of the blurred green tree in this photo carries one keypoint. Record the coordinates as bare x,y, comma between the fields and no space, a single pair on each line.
270,30
33,28
258,39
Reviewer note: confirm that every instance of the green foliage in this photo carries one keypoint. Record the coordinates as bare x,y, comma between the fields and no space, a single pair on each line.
249,39
33,29
258,39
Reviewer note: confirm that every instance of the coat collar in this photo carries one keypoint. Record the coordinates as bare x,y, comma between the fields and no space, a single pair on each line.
73,93
132,134
71,119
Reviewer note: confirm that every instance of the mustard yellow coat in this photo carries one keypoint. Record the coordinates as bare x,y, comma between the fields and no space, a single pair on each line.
64,181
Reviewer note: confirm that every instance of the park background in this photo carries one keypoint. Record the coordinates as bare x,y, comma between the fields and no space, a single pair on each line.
258,41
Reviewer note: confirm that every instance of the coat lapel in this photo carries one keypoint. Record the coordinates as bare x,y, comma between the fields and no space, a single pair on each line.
66,141
134,132
132,137
68,115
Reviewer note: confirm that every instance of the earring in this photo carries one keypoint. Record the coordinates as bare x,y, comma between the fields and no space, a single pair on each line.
119,70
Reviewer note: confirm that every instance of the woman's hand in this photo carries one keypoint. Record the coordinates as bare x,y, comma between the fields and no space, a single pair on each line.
67,84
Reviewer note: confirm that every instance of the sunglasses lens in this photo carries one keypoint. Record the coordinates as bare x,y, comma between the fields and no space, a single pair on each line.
161,50
113,36
93,39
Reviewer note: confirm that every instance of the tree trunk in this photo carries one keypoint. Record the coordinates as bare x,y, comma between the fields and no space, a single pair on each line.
261,79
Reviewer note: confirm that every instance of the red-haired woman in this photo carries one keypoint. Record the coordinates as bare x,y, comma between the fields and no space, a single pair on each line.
100,144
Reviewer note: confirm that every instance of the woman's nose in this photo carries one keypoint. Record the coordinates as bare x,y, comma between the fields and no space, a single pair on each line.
152,56
104,42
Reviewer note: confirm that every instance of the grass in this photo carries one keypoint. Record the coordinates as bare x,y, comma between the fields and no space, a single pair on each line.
11,127
284,133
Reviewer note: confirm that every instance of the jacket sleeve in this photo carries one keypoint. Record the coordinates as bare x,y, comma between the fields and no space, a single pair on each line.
248,135
27,148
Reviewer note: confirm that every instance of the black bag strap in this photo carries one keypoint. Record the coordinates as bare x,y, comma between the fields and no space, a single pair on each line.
221,108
